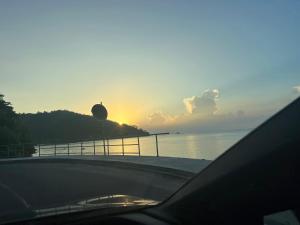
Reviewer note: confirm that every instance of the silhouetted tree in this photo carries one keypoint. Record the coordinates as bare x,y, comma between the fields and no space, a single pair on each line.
12,133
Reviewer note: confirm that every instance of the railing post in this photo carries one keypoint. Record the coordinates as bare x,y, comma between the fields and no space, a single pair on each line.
80,148
68,146
94,147
108,147
157,155
123,152
55,149
138,139
7,151
23,150
39,150
104,151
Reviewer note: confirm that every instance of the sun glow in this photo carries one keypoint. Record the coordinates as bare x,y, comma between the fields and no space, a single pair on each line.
124,113
120,120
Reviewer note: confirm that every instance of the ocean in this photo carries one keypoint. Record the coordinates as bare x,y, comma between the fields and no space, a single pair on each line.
195,146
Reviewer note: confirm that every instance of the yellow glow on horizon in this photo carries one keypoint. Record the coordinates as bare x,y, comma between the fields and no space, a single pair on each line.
119,118
124,113
121,121
120,110
122,118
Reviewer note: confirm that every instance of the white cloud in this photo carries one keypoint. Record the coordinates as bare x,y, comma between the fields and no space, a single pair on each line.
189,123
203,116
297,89
157,118
204,104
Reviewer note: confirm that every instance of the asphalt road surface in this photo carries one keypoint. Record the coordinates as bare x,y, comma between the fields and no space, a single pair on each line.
46,184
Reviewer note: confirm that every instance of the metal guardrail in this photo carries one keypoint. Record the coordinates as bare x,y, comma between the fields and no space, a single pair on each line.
67,149
156,141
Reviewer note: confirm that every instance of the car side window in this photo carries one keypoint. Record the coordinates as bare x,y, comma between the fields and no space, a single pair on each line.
288,217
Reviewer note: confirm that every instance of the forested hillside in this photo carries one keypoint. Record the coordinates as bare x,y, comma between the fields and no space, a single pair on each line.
65,126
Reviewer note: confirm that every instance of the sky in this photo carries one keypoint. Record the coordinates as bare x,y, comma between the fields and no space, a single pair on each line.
164,65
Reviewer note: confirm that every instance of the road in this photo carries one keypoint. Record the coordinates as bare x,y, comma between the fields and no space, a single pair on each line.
44,184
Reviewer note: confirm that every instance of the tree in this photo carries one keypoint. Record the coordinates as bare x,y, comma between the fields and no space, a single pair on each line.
14,138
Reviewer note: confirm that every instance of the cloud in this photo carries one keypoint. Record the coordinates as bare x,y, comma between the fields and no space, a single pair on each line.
297,89
204,116
219,123
157,118
193,123
205,104
203,113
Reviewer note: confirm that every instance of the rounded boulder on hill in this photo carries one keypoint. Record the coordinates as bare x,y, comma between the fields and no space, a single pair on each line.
99,111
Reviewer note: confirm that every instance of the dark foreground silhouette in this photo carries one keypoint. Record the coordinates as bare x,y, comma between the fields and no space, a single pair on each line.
20,132
13,132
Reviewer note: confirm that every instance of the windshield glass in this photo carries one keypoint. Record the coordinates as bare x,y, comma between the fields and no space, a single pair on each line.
116,104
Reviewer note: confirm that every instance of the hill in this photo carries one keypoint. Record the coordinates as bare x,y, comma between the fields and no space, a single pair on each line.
64,126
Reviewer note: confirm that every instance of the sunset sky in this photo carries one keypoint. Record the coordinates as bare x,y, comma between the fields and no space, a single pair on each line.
163,65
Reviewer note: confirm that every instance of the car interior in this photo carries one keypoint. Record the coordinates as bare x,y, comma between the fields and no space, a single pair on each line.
255,182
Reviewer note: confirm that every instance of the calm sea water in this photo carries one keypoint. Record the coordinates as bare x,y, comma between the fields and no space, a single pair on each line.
197,146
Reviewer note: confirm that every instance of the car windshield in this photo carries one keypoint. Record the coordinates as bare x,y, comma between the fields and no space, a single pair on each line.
117,104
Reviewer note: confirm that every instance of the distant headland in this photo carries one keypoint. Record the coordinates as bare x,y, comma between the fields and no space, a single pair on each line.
65,126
